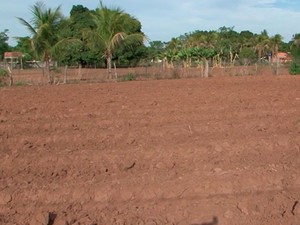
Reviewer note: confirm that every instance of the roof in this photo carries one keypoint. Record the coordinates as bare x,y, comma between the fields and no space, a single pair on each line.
9,55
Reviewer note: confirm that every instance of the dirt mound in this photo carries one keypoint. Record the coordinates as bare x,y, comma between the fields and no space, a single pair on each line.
192,151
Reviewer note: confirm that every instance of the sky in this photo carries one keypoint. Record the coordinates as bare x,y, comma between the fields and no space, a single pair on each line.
164,19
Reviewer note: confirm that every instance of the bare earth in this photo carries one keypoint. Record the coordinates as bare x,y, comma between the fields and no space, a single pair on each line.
192,151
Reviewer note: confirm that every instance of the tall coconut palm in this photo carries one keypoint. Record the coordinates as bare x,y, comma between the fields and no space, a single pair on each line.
112,30
43,27
276,41
262,43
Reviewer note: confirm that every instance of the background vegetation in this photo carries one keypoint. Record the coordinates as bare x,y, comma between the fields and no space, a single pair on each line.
110,37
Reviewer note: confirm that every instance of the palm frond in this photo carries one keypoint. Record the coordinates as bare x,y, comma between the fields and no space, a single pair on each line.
27,25
117,39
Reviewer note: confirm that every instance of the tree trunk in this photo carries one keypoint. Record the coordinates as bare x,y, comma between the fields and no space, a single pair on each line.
21,62
11,81
79,71
47,68
277,66
231,57
108,60
66,74
43,71
234,59
259,53
200,66
164,63
206,68
11,63
116,74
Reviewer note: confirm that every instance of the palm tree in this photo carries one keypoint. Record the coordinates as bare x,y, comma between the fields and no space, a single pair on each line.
172,49
262,43
296,40
112,30
276,41
44,30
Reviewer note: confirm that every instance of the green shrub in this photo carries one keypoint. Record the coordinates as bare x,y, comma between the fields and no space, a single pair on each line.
129,77
295,67
22,83
247,55
3,77
3,72
56,70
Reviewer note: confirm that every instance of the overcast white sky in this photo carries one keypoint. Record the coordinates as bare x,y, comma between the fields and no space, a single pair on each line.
164,19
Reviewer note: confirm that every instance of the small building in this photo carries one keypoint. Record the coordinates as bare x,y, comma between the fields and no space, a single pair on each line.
13,59
282,57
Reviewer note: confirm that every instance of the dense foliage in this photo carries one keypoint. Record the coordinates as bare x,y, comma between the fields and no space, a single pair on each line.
106,36
3,43
295,49
86,38
223,46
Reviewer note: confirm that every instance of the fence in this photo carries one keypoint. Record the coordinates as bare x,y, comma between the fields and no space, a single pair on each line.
81,75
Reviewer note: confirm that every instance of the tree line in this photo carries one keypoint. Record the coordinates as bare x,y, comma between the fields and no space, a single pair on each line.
221,47
110,37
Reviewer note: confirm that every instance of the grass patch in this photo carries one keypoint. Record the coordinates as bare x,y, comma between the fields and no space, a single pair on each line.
22,83
3,72
4,75
128,77
295,67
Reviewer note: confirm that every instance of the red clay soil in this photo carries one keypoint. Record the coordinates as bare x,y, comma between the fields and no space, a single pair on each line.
192,151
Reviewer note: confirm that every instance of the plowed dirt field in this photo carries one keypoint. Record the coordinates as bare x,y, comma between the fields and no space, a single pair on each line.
191,151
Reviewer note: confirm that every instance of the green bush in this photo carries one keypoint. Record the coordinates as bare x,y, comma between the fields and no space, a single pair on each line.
247,55
22,83
3,72
56,70
129,77
295,67
3,77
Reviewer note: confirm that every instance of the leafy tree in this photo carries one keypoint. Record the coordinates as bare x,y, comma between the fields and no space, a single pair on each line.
80,19
295,46
77,53
246,38
295,49
24,46
77,27
285,46
130,52
247,54
156,50
127,56
229,43
3,43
